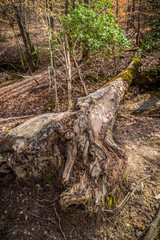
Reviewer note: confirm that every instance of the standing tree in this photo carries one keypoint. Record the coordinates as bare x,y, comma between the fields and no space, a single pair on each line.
25,35
83,29
93,30
17,9
87,2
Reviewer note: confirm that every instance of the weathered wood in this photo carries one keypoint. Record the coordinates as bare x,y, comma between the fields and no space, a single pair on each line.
75,149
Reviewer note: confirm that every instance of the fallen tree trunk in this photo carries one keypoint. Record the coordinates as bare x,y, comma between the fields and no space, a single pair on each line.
75,149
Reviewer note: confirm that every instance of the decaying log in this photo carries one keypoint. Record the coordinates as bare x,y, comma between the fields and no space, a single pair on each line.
75,149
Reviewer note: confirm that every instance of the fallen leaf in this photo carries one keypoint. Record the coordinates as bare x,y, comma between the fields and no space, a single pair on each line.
140,225
157,197
133,214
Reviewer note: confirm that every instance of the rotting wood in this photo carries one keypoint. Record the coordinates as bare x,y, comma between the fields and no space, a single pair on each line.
76,150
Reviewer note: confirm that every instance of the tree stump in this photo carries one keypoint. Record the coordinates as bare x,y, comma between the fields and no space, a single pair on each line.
75,149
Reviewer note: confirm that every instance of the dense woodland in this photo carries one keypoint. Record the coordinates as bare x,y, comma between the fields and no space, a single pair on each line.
80,119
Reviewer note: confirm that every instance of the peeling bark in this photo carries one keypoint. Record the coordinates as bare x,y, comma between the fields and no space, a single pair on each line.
75,149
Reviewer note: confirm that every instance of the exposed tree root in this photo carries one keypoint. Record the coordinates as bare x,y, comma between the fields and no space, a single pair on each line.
74,149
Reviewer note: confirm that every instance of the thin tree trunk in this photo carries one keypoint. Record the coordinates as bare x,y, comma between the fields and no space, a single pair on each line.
87,2
53,66
85,53
66,6
19,48
126,17
50,18
73,4
133,10
69,82
26,39
139,23
117,9
80,76
69,72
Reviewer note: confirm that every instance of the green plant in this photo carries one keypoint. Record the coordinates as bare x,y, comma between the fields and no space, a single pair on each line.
51,106
148,138
48,180
110,202
94,30
152,75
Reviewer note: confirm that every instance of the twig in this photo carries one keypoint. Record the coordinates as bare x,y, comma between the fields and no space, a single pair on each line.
61,62
59,221
49,75
23,76
50,201
42,218
38,204
61,73
34,78
80,75
116,210
153,227
60,85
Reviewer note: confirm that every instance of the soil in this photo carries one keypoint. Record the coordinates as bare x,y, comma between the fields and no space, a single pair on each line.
33,211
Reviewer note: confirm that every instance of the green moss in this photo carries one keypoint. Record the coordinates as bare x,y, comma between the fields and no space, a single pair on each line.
12,77
9,129
51,106
126,178
7,77
127,74
111,202
48,180
153,75
137,61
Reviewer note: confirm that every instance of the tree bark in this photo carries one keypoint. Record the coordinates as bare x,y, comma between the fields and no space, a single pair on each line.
87,2
139,23
51,18
26,39
75,149
50,7
66,7
73,4
69,72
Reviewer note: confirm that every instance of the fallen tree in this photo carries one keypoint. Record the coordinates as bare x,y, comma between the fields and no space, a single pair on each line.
76,150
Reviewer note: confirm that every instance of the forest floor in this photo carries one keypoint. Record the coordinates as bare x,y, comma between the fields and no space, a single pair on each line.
33,212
